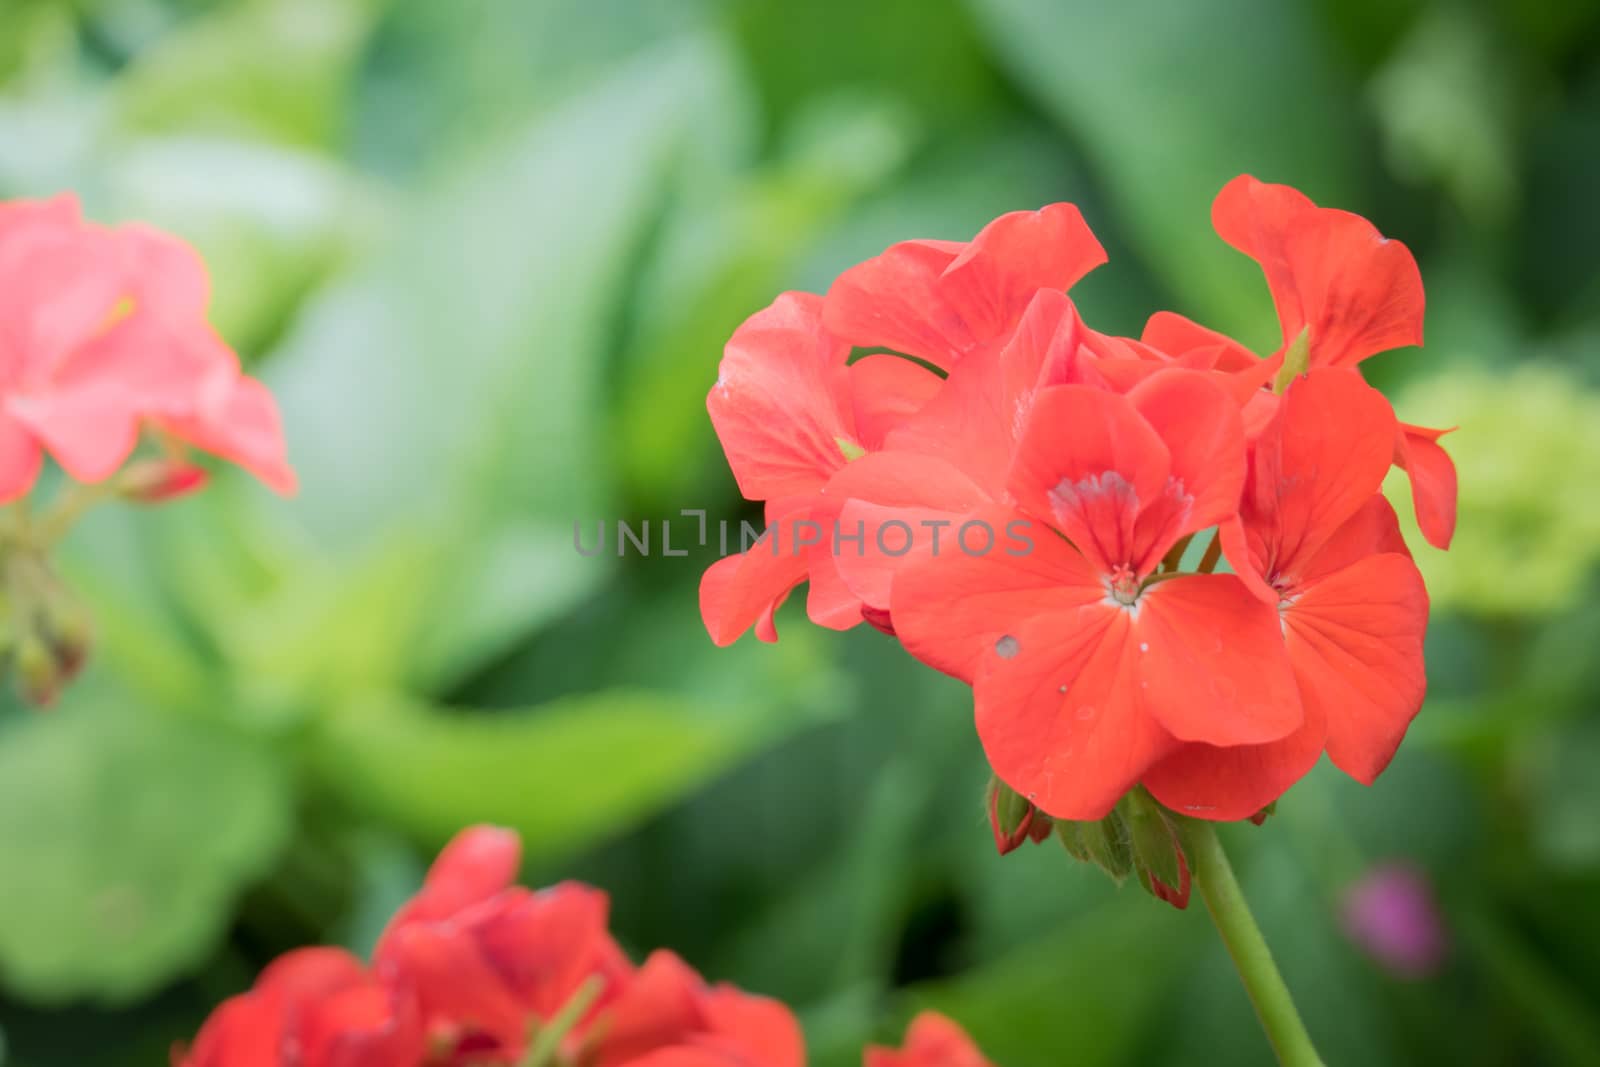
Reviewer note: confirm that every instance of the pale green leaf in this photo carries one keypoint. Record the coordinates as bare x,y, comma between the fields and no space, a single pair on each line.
127,837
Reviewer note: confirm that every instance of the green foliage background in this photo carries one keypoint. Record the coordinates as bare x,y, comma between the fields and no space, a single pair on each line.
487,251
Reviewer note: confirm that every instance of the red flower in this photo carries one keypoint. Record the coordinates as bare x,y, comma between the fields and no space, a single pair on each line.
473,969
1317,542
792,411
102,333
931,1041
1086,672
484,959
315,1007
1355,293
667,1016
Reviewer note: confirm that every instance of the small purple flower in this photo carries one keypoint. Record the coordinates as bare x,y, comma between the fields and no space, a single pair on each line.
1391,914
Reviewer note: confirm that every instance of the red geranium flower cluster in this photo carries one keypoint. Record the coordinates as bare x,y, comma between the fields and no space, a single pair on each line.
1039,508
475,971
103,335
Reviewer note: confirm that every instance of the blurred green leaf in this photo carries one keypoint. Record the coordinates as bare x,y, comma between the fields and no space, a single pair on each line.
127,837
446,78
270,220
273,69
1447,107
1171,101
1566,797
449,388
567,774
1080,993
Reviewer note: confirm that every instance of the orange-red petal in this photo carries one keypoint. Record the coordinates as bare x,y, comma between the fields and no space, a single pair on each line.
1355,641
781,405
1433,481
1359,292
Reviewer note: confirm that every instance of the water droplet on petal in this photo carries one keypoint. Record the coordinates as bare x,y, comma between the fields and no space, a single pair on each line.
1007,647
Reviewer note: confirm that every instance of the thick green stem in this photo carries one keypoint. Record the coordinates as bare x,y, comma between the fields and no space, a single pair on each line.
1251,957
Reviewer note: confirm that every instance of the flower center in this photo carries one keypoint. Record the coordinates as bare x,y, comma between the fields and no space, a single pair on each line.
1124,585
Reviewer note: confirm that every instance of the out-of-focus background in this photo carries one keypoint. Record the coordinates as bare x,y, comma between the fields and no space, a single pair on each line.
487,252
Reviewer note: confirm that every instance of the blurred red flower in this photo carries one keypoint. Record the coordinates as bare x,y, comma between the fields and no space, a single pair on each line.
104,333
475,971
931,1041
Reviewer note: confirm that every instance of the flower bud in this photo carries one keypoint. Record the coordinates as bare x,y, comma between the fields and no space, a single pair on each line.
1158,856
1103,843
70,636
155,481
39,680
1013,818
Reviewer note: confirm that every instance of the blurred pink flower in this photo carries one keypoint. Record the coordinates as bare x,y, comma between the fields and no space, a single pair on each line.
1391,914
103,333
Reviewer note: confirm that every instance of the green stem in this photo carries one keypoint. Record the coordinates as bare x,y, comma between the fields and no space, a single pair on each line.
70,505
1251,957
546,1043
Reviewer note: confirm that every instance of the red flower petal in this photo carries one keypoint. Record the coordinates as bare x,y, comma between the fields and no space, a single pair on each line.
992,281
363,1026
761,1030
746,590
1433,481
931,1041
1232,783
896,487
949,612
976,418
661,1006
781,405
1200,424
1355,640
1373,529
1320,461
1178,336
1059,711
457,991
1359,292
941,299
478,862
20,458
545,944
886,390
892,301
1211,663
1088,461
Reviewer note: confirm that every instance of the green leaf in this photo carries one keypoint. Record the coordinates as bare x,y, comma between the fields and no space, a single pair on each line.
270,220
127,837
231,72
563,775
1081,994
1209,91
449,388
